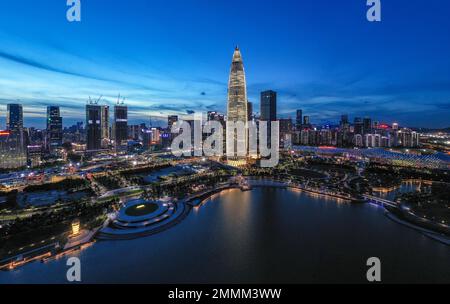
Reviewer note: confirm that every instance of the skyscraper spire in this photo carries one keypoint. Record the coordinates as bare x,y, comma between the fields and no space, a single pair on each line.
237,90
237,100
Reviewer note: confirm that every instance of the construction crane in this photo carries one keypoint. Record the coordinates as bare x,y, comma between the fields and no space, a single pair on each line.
120,101
94,102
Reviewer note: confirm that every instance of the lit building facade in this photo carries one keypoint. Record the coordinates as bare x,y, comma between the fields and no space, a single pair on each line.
93,127
120,126
237,110
13,140
54,128
105,126
268,106
14,117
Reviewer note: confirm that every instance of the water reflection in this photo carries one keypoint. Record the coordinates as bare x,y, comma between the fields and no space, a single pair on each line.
261,236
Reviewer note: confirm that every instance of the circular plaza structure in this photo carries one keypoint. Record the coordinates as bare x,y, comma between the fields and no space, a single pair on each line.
139,218
141,209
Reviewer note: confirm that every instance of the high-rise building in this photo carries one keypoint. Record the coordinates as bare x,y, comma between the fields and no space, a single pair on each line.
237,90
54,128
14,147
250,111
344,123
407,138
358,126
105,125
367,125
299,120
120,124
171,120
306,121
93,127
268,106
133,132
237,98
14,117
285,125
34,155
286,128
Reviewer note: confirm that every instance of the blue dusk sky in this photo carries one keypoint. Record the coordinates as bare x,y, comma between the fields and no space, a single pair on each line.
173,57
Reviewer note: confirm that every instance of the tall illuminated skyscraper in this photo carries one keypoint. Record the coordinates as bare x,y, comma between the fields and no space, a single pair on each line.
54,128
269,105
93,127
237,90
14,117
237,93
12,141
105,125
299,120
120,124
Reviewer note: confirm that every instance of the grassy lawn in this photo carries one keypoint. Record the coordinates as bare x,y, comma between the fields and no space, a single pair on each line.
142,209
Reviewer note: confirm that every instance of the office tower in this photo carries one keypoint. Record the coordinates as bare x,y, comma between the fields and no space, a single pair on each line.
344,123
34,155
268,106
237,100
306,121
93,127
215,116
54,128
11,152
407,138
268,111
286,125
358,140
134,131
104,121
14,147
367,125
395,126
299,120
250,111
14,117
286,128
237,90
358,126
147,139
343,136
171,120
120,124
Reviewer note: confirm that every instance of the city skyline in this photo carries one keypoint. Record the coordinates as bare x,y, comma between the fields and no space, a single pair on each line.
226,142
358,68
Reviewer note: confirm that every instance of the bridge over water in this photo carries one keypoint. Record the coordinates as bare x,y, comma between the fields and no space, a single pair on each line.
380,201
